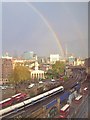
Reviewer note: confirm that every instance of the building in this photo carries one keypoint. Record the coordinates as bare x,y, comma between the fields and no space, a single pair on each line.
0,71
28,55
45,67
87,65
54,58
79,62
27,63
6,69
71,60
37,74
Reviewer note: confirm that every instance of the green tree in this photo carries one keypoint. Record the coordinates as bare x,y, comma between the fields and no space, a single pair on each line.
59,67
49,74
65,78
57,70
19,74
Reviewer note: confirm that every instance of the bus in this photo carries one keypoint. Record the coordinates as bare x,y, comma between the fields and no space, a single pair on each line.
78,99
64,111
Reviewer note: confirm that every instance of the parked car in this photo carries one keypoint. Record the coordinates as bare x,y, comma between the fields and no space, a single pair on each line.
52,80
85,90
3,87
40,82
31,85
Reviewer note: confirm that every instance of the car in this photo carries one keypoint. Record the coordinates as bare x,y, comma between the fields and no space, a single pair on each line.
52,80
31,85
40,82
11,87
3,87
85,90
61,78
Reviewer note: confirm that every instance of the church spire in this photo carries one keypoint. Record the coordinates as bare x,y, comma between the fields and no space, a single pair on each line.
36,64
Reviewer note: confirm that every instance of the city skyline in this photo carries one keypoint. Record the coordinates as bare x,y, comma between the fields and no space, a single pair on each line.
45,28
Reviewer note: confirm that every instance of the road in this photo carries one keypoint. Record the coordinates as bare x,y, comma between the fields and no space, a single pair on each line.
79,110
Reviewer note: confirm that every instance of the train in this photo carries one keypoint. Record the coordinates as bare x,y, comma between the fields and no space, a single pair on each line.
12,100
30,101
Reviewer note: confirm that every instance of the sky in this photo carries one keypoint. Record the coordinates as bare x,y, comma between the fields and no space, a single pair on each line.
0,29
45,28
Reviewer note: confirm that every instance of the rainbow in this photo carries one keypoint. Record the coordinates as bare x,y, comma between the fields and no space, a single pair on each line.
49,27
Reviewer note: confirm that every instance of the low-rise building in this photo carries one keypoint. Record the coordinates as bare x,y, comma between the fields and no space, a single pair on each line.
45,67
54,58
87,65
27,63
78,62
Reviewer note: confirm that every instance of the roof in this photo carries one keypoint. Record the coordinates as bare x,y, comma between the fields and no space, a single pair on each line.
77,98
64,96
85,88
5,100
37,71
16,95
65,107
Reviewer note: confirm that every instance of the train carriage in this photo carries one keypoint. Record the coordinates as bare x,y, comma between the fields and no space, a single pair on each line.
5,103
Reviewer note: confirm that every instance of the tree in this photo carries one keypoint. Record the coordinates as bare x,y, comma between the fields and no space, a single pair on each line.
19,74
57,70
65,78
49,74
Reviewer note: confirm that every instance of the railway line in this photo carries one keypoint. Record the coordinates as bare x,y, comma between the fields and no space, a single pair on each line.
35,106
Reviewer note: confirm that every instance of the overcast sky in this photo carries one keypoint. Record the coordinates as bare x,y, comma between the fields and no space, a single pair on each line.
33,29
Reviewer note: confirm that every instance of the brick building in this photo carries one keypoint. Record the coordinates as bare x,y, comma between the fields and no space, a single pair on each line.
6,68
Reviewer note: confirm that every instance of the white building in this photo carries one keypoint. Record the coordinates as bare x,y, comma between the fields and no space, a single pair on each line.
54,58
37,74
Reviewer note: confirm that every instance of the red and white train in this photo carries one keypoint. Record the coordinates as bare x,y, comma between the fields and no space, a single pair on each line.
14,99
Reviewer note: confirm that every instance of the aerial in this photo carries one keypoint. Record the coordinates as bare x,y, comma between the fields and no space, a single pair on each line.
44,62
